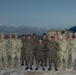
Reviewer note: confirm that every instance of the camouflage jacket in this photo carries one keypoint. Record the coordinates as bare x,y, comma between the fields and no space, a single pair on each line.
28,45
16,45
3,46
64,47
53,47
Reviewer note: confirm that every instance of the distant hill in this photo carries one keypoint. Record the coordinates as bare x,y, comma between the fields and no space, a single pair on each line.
73,29
22,30
27,30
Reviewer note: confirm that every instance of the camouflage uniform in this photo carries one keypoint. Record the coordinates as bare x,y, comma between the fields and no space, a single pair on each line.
9,47
23,52
58,53
73,52
3,53
16,51
64,48
52,53
29,52
45,42
39,54
35,41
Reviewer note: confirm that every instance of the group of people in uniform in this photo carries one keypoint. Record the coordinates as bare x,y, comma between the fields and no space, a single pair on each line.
19,52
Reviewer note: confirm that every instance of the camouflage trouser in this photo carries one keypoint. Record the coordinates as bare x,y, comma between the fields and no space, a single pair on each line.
23,58
45,57
58,57
39,58
5,57
0,59
73,56
64,57
29,59
52,58
9,57
34,55
18,56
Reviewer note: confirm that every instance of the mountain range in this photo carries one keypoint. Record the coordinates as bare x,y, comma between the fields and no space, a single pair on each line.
27,30
22,30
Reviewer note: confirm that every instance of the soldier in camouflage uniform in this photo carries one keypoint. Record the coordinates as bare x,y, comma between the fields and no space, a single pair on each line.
45,42
3,51
40,54
64,52
29,52
16,51
70,47
35,41
73,51
52,53
57,40
23,50
9,46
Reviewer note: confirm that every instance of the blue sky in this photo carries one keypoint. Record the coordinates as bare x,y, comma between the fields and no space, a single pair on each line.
38,13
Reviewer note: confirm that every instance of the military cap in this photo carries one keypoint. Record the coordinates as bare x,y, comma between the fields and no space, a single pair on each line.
23,35
44,34
52,37
34,34
28,35
15,33
2,33
75,33
10,33
63,35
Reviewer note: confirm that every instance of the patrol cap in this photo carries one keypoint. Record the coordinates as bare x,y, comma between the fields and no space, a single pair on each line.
63,35
10,33
28,35
52,37
15,33
23,35
1,33
75,33
34,34
44,34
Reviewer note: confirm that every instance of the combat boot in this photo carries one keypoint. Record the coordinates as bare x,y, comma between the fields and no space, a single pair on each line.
45,64
60,68
26,68
22,64
43,68
31,68
49,68
0,67
41,64
36,68
56,68
71,69
67,69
